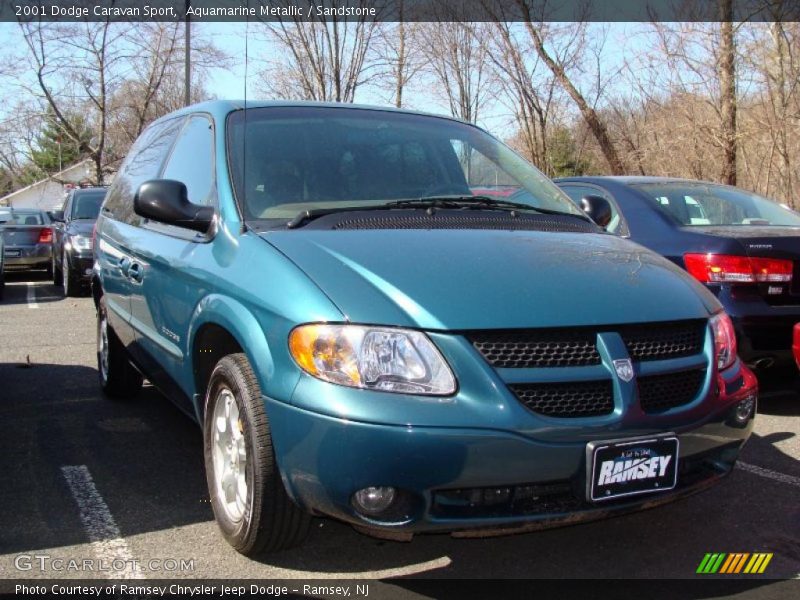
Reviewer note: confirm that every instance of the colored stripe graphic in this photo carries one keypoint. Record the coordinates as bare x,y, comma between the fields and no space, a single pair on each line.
729,563
741,562
734,563
758,563
711,562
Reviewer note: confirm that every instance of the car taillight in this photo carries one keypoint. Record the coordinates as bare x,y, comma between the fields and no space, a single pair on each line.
724,340
45,236
724,268
796,344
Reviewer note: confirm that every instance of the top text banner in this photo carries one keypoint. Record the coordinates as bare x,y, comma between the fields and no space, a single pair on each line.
400,10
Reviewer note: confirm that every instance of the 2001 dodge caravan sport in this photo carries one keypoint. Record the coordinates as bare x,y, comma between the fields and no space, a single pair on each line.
392,319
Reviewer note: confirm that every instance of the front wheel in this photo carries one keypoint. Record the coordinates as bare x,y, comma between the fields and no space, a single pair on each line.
250,503
71,284
118,378
56,271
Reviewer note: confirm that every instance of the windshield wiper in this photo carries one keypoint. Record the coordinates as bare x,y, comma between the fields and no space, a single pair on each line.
461,202
478,202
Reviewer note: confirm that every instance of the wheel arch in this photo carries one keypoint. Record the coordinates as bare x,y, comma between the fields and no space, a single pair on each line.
220,326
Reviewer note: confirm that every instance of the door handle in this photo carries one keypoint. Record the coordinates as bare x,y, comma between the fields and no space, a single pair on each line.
135,272
124,264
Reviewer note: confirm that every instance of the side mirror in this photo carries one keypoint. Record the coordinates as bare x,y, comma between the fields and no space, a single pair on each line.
598,209
57,216
166,201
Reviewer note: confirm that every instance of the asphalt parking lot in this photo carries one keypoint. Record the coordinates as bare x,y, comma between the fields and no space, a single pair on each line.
66,452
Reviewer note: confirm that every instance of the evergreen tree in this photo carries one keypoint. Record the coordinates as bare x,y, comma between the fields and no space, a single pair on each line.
53,150
563,156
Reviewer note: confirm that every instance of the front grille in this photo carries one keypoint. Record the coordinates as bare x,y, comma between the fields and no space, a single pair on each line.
527,499
537,348
530,349
659,341
658,393
574,399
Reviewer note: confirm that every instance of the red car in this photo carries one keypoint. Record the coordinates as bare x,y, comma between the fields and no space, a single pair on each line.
796,344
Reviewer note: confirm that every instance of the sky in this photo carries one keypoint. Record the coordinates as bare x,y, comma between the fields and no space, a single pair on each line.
229,83
623,40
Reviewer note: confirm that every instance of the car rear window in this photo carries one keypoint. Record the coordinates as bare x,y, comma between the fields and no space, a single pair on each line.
25,218
701,204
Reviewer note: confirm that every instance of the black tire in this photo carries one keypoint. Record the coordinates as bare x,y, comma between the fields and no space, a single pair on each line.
70,281
56,271
119,380
2,283
270,521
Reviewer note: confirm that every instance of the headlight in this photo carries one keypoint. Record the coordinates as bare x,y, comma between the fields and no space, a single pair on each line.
724,340
80,242
376,358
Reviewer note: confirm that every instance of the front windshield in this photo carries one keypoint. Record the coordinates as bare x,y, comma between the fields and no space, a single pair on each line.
698,204
86,205
294,159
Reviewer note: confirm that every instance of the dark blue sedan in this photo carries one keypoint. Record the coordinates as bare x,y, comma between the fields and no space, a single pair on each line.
744,247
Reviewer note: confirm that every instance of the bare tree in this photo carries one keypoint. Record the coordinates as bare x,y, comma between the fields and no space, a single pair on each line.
398,62
155,80
528,93
726,67
321,58
76,66
770,117
118,76
536,29
456,60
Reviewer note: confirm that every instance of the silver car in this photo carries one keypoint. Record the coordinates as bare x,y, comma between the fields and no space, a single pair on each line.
28,239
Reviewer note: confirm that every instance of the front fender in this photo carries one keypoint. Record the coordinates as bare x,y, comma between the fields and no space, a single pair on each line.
243,325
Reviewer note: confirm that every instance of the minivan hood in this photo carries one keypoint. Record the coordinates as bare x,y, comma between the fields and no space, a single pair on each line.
488,279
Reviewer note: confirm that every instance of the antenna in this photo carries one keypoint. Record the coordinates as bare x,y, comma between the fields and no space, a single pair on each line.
244,127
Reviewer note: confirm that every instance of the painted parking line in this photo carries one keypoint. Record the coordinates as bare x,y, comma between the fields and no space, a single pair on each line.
107,542
32,296
769,474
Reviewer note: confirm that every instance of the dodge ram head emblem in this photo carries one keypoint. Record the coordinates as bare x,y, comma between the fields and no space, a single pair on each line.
624,369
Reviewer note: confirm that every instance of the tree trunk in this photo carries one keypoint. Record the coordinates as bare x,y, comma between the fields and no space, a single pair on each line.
593,121
727,84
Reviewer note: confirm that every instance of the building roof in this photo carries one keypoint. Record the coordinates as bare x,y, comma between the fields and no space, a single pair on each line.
63,174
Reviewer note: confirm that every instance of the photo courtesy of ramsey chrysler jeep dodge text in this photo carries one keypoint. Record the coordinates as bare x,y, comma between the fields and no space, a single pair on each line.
392,319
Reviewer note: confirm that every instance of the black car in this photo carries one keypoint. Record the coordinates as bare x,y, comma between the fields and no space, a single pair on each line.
73,255
744,247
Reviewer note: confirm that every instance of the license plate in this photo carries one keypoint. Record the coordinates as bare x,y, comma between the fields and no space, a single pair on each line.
12,253
628,467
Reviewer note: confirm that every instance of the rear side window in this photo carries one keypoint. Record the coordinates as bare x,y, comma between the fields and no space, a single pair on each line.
143,162
192,160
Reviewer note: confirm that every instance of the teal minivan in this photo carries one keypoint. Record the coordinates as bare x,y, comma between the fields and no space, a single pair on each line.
391,319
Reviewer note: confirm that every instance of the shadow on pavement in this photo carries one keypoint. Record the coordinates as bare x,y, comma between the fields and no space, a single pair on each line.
145,457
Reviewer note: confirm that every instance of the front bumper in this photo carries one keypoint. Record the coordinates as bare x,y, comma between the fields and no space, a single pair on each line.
763,331
19,258
81,264
325,459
